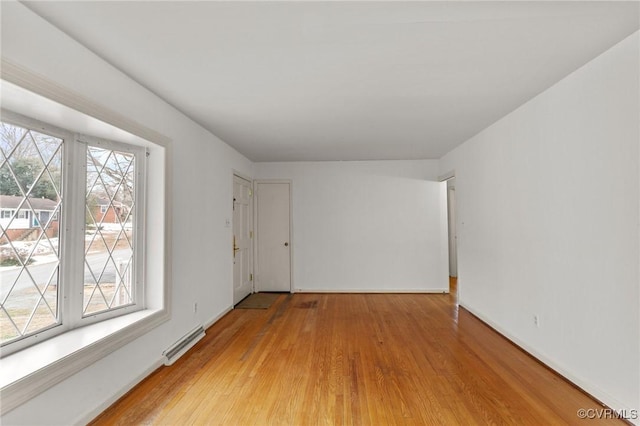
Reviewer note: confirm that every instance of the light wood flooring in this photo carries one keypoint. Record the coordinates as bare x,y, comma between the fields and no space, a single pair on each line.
370,359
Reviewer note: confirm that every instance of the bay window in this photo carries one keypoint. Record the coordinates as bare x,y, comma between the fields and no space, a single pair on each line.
77,264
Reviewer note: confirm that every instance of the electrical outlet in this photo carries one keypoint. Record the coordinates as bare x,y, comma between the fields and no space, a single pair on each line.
536,320
195,307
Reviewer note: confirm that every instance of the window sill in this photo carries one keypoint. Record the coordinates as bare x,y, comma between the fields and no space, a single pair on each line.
26,373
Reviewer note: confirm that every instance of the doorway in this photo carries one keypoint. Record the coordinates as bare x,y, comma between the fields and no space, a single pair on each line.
273,231
242,234
453,235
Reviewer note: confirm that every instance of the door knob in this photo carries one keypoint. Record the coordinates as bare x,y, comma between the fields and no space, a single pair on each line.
286,244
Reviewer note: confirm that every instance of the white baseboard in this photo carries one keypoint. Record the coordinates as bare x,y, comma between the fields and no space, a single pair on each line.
216,318
95,412
376,290
593,390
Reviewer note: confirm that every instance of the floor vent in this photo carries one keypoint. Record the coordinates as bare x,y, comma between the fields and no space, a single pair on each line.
183,345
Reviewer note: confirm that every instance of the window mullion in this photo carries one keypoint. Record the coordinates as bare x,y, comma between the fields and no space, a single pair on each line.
140,226
74,245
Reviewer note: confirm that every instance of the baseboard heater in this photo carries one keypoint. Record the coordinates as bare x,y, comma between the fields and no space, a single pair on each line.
179,348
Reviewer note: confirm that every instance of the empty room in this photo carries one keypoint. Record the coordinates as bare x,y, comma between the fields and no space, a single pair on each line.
252,213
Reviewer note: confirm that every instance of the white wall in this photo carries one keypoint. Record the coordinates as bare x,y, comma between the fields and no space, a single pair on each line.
548,219
365,225
202,177
548,203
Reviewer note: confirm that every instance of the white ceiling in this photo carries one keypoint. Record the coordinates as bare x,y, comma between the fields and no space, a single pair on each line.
294,81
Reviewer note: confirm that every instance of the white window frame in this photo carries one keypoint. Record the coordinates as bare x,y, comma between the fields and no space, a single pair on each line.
59,327
72,244
83,143
30,371
103,209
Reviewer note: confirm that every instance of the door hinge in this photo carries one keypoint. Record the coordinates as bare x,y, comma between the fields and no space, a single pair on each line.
250,234
250,277
250,193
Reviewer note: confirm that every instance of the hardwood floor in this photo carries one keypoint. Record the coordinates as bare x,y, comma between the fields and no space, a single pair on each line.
371,359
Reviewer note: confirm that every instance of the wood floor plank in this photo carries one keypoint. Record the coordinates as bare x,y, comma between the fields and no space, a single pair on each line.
353,359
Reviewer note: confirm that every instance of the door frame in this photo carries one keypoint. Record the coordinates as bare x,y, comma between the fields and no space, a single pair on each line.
256,235
251,224
444,179
452,227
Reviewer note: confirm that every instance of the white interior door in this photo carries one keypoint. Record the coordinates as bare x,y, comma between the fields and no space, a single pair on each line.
273,232
242,284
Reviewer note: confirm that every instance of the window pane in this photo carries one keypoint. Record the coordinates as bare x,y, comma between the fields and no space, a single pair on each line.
30,200
110,201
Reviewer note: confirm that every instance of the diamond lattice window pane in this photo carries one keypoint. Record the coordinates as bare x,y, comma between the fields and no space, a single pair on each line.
30,208
109,248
